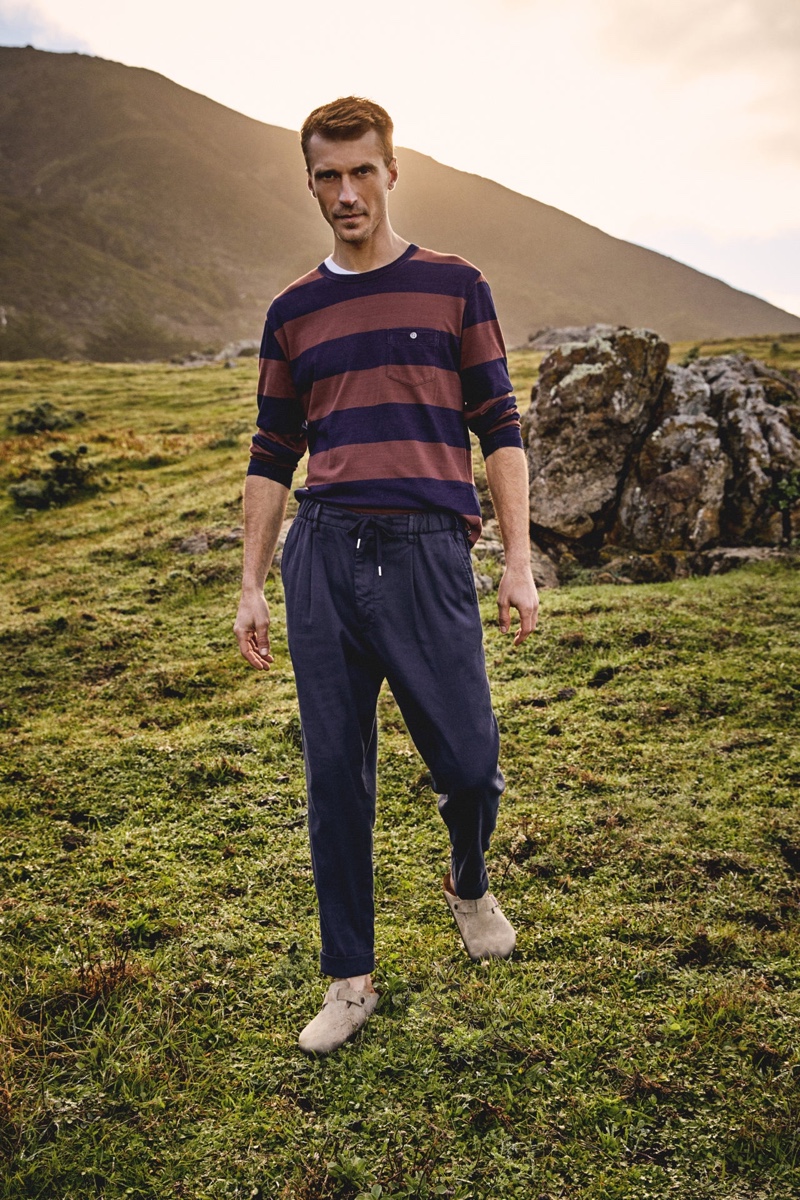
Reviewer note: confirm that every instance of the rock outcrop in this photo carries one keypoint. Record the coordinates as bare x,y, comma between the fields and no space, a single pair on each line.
588,416
760,426
627,452
673,496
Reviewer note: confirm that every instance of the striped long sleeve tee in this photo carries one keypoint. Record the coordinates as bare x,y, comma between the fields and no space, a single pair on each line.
381,375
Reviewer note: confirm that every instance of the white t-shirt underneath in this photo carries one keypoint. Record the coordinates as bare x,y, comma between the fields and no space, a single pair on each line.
337,270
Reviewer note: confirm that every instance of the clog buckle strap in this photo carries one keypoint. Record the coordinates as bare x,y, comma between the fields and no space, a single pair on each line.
486,903
343,992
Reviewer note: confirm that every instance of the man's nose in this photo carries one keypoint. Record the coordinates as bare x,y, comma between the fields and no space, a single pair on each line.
347,193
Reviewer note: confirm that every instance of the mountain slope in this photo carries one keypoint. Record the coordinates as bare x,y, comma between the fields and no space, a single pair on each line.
124,191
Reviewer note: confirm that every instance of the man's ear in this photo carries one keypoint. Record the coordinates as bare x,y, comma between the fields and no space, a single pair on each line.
393,173
310,183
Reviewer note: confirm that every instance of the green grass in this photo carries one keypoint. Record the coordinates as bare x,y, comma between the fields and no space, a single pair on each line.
781,350
159,941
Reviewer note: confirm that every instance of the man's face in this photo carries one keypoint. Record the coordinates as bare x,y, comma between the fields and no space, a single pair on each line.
351,183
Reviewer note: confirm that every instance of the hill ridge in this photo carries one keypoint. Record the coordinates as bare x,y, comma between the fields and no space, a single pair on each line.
125,192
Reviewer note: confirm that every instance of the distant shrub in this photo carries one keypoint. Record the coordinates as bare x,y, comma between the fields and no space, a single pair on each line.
132,337
70,477
690,356
42,418
27,335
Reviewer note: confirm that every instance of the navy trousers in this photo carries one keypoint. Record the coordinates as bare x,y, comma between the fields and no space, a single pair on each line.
390,597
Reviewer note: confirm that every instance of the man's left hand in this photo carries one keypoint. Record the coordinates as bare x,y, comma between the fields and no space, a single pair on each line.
517,590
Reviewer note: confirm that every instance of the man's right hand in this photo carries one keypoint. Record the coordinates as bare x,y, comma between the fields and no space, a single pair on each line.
251,628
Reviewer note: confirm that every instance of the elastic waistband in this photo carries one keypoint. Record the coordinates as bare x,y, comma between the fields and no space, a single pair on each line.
393,525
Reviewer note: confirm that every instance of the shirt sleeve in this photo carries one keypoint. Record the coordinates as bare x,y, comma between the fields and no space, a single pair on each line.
281,439
490,407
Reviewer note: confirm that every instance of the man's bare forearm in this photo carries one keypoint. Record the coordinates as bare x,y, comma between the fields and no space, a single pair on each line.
264,511
507,474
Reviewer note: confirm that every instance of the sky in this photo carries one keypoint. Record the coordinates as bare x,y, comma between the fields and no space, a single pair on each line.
671,123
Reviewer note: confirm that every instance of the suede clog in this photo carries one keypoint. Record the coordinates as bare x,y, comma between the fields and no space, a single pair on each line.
485,931
344,1011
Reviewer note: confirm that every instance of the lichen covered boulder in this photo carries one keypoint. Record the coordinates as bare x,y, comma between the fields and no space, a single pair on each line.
627,452
673,495
758,416
589,413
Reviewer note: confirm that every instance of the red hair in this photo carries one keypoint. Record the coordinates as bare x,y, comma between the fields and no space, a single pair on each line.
347,118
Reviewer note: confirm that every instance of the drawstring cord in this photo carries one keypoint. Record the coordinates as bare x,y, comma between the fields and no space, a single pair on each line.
366,523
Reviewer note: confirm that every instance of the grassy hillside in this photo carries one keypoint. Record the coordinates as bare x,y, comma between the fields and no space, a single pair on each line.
156,904
781,352
124,193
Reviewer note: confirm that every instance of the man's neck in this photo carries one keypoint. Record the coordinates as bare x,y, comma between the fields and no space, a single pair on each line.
368,256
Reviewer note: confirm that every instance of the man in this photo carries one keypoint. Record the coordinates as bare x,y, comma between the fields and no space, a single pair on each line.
380,361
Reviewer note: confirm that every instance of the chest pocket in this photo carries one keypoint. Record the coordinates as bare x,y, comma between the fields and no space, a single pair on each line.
412,356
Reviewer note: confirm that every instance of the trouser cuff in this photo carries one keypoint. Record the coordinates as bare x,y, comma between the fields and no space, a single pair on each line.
469,883
343,968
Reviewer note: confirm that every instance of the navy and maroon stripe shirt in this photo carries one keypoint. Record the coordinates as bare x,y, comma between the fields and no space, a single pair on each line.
381,375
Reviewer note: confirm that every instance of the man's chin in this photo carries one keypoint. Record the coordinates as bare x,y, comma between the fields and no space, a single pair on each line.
353,237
